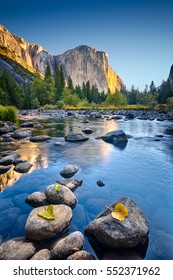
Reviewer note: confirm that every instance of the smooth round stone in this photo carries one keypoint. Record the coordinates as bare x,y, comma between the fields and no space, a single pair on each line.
68,245
40,138
23,167
17,249
76,137
43,254
64,196
69,171
37,199
4,169
81,255
38,228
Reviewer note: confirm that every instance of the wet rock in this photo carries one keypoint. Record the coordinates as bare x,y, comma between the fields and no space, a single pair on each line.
17,249
76,137
17,161
72,184
23,167
81,255
37,199
115,137
59,144
7,160
38,228
68,245
7,127
27,124
40,138
4,169
43,254
38,125
21,134
64,196
120,234
100,183
69,171
87,130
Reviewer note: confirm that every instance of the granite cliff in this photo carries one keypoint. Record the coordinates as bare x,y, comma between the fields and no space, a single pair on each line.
82,63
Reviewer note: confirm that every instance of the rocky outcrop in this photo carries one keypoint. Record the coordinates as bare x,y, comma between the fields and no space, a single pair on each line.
82,63
170,78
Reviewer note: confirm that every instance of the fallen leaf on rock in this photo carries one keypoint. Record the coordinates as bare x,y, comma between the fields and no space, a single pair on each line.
57,187
120,212
47,213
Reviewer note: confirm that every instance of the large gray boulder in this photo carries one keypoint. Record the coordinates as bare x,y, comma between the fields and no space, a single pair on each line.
116,137
64,196
113,233
76,137
38,228
68,245
69,171
17,249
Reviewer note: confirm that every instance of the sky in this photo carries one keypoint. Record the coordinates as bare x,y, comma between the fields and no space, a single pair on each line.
137,34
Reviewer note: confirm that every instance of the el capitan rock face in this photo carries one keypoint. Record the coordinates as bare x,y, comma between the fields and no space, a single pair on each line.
82,63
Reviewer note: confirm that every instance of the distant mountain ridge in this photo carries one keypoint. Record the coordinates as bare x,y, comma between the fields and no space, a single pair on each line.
82,63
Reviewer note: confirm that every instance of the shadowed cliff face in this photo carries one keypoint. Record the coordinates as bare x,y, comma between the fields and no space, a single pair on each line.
82,63
170,78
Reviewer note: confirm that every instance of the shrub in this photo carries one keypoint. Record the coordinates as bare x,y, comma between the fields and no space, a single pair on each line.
8,113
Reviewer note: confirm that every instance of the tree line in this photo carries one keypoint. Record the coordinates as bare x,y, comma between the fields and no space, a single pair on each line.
57,90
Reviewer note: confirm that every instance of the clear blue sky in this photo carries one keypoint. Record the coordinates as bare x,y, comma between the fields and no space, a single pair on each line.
137,34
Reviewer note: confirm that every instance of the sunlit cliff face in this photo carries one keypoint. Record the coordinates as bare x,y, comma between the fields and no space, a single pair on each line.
31,152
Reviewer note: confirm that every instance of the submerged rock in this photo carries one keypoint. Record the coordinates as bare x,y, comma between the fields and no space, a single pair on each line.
68,171
23,167
68,245
169,130
87,130
40,138
120,234
76,137
100,183
72,184
17,249
64,196
38,228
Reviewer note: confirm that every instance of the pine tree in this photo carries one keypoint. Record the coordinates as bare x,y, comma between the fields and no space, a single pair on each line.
47,74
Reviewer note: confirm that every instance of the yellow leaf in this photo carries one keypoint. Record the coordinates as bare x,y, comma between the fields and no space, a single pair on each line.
120,212
47,213
57,187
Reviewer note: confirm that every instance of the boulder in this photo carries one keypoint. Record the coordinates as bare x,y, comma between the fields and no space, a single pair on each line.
37,199
23,167
68,245
4,169
40,138
76,137
27,124
64,196
68,171
81,255
113,233
7,160
43,254
20,134
116,137
72,184
87,130
38,228
17,249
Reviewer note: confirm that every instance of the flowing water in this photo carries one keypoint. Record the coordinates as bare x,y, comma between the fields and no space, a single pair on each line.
142,171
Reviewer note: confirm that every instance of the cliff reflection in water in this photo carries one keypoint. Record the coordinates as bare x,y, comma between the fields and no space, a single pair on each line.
34,153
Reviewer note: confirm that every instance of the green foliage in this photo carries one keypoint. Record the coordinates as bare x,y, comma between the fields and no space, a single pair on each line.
8,113
60,104
47,74
48,213
117,99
